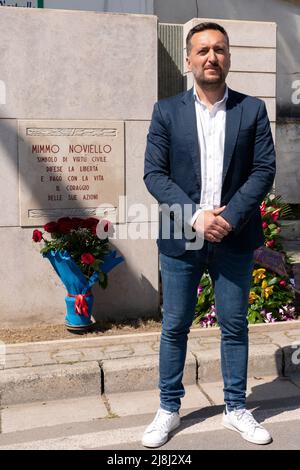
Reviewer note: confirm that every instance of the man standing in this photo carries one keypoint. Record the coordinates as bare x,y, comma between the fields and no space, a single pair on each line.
209,162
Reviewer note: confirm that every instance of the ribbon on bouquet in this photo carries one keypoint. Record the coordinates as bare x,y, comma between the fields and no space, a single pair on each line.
81,306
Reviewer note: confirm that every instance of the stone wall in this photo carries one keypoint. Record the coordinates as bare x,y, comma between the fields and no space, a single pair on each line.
288,158
286,14
71,65
253,59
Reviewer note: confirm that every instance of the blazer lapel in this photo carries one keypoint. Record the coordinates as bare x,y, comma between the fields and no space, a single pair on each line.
233,119
189,123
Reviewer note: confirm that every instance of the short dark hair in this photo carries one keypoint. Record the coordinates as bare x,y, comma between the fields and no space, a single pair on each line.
203,27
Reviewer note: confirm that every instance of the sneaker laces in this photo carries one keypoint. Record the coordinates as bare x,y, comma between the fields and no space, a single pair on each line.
246,417
160,424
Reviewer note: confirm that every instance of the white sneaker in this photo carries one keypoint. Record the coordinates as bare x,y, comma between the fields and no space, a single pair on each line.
157,433
243,422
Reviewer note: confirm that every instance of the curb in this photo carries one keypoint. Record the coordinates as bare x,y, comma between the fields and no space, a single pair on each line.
27,385
92,366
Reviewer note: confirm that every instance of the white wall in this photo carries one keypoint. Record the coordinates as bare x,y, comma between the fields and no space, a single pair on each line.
253,60
286,14
70,65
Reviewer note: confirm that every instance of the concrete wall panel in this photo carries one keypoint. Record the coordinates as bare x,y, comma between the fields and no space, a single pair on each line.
73,65
77,65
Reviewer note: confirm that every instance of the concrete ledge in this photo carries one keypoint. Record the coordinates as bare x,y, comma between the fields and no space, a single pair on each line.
49,383
72,355
290,229
126,363
209,369
140,373
265,359
72,348
291,358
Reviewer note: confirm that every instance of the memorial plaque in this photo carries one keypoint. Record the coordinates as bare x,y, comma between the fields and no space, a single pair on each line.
270,259
70,168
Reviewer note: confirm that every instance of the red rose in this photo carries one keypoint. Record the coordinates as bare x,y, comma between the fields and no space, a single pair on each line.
87,258
90,223
264,225
282,283
93,229
37,236
51,227
77,222
65,225
270,243
64,219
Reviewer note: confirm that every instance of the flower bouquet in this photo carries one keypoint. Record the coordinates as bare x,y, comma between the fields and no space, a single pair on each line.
272,294
79,252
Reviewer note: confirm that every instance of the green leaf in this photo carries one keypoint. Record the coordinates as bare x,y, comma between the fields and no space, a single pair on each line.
95,265
103,280
45,250
273,281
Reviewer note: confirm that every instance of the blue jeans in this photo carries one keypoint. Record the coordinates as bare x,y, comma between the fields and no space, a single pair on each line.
231,275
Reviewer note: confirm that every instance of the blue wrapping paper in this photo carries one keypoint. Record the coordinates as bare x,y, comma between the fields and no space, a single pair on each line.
77,283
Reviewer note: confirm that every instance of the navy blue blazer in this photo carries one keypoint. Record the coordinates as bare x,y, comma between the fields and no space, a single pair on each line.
173,167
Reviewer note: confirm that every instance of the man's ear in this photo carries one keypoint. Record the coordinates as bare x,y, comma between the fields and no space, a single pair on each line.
187,59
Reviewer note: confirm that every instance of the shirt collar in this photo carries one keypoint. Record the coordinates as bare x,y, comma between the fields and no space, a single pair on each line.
224,99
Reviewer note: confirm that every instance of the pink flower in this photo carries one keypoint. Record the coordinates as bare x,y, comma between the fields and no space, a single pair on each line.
269,318
275,214
199,290
282,283
265,225
270,243
263,208
287,313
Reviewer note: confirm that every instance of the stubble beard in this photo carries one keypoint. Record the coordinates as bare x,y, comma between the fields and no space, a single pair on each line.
213,83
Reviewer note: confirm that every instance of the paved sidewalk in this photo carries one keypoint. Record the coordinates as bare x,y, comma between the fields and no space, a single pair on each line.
52,370
117,420
101,392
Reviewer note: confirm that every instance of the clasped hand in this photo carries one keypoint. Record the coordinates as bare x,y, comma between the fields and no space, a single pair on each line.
211,225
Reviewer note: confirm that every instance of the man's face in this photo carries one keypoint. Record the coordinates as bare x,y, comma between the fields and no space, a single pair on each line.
209,58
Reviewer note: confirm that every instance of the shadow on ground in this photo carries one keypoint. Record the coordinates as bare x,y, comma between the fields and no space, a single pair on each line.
267,399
